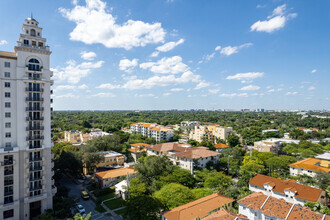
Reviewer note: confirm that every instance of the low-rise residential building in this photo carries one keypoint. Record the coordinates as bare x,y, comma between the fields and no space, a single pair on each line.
198,209
220,147
184,156
138,149
183,138
310,167
258,206
224,214
289,190
187,125
209,133
272,144
121,189
153,130
325,156
111,177
110,159
76,137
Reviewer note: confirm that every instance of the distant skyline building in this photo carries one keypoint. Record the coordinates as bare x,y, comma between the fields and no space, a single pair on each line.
26,168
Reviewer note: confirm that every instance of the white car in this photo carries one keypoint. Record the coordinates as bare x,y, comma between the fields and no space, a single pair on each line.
81,209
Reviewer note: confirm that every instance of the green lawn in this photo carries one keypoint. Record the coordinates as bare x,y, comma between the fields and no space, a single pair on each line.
100,209
107,196
120,212
115,203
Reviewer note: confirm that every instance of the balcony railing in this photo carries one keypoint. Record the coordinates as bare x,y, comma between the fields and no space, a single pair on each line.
29,89
9,193
34,147
8,148
35,188
34,128
35,159
32,138
8,182
9,172
36,168
34,99
8,162
21,44
34,108
34,118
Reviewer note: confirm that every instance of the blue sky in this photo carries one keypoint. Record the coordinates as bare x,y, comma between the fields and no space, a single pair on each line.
181,54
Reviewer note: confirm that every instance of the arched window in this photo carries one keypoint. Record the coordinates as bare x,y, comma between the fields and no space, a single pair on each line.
34,64
33,32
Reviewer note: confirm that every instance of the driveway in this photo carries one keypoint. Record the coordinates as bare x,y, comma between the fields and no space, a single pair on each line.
89,205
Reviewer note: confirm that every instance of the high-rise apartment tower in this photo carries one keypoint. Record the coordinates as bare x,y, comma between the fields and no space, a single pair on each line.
26,168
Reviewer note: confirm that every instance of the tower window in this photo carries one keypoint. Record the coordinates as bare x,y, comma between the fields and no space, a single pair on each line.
7,115
8,214
27,31
8,135
7,84
26,42
7,74
7,104
7,125
33,32
38,34
7,64
7,94
34,64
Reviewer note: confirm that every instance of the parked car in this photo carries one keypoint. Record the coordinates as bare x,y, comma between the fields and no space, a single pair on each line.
84,194
81,210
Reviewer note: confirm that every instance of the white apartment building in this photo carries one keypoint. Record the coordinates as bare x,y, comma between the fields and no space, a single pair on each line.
153,130
310,167
210,133
187,125
26,168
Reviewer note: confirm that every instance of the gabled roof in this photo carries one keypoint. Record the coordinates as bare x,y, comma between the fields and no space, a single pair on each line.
279,208
301,191
313,164
224,214
115,173
140,145
195,153
198,208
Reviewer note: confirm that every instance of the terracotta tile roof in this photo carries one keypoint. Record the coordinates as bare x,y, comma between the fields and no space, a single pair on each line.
198,208
137,150
305,213
140,145
194,153
8,55
303,192
221,146
279,208
165,147
115,173
313,164
224,214
154,129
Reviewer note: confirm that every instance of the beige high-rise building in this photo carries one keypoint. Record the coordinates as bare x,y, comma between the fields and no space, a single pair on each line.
26,168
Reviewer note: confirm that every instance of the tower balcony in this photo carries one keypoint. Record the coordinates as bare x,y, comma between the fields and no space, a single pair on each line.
33,159
34,128
21,44
30,147
34,108
35,168
34,99
35,118
34,138
30,89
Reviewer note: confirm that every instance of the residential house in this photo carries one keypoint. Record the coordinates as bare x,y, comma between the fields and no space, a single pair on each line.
110,159
272,144
224,214
111,177
121,189
198,209
220,147
309,166
258,206
209,133
138,149
184,156
325,156
289,190
73,137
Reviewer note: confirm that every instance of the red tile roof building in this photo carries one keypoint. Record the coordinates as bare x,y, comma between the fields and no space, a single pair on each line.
260,206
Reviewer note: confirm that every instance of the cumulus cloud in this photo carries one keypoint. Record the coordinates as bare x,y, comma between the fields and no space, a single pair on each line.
201,85
173,65
176,89
128,65
169,46
67,95
94,24
314,70
250,88
246,77
229,50
64,87
104,95
311,88
166,94
108,86
88,55
73,72
274,90
214,91
231,95
291,93
83,87
144,95
3,42
273,22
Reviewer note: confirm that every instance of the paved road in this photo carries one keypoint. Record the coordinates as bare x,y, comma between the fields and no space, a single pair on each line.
89,205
